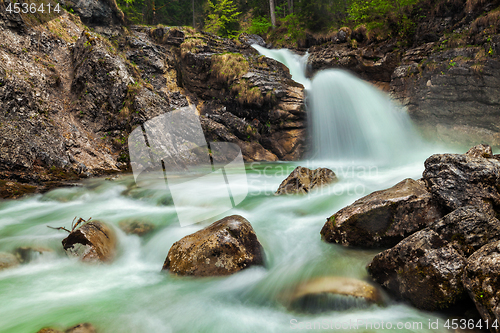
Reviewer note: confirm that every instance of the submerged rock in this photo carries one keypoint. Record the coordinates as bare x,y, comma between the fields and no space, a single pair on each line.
49,330
304,180
383,218
333,293
460,180
26,254
8,260
94,241
80,328
136,227
482,281
225,247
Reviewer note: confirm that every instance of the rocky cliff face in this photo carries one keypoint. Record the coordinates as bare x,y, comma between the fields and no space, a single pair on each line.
70,96
448,75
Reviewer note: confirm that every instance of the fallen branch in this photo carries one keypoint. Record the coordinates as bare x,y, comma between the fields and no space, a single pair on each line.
74,225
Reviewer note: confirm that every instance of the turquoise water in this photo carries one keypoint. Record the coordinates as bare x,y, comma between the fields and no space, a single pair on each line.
133,295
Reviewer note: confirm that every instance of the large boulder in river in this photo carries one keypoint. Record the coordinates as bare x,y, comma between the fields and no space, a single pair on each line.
458,180
422,269
304,180
333,293
383,218
482,281
224,247
93,241
468,229
8,260
427,267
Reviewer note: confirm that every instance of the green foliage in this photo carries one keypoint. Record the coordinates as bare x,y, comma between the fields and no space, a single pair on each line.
132,10
294,26
260,26
291,30
366,10
385,18
223,18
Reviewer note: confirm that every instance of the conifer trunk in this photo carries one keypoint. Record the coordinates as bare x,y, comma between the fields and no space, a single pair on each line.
273,13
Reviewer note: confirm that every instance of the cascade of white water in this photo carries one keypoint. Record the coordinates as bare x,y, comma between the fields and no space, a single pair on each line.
348,118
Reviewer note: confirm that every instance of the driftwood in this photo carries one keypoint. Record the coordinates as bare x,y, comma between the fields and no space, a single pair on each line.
90,241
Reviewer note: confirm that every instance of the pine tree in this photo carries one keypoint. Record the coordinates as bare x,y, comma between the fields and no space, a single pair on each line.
223,18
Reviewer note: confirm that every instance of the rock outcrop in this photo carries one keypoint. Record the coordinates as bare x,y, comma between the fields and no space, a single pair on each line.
303,180
333,293
92,242
232,90
374,63
225,247
451,94
445,72
96,13
70,97
383,218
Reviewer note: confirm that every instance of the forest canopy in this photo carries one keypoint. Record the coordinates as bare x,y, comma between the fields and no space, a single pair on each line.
288,19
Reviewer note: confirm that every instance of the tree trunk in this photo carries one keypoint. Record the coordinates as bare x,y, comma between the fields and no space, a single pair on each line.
290,6
273,13
194,23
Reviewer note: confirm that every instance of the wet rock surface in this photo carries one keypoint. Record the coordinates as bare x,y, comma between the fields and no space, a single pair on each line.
333,293
468,229
427,267
303,180
481,279
383,218
92,242
422,269
225,247
481,150
460,180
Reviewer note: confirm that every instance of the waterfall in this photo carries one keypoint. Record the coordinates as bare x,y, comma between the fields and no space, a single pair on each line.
348,118
296,64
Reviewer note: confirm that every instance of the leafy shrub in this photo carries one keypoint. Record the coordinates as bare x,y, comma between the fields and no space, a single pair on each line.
223,18
260,26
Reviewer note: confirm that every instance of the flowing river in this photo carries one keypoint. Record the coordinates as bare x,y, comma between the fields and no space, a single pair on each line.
132,294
